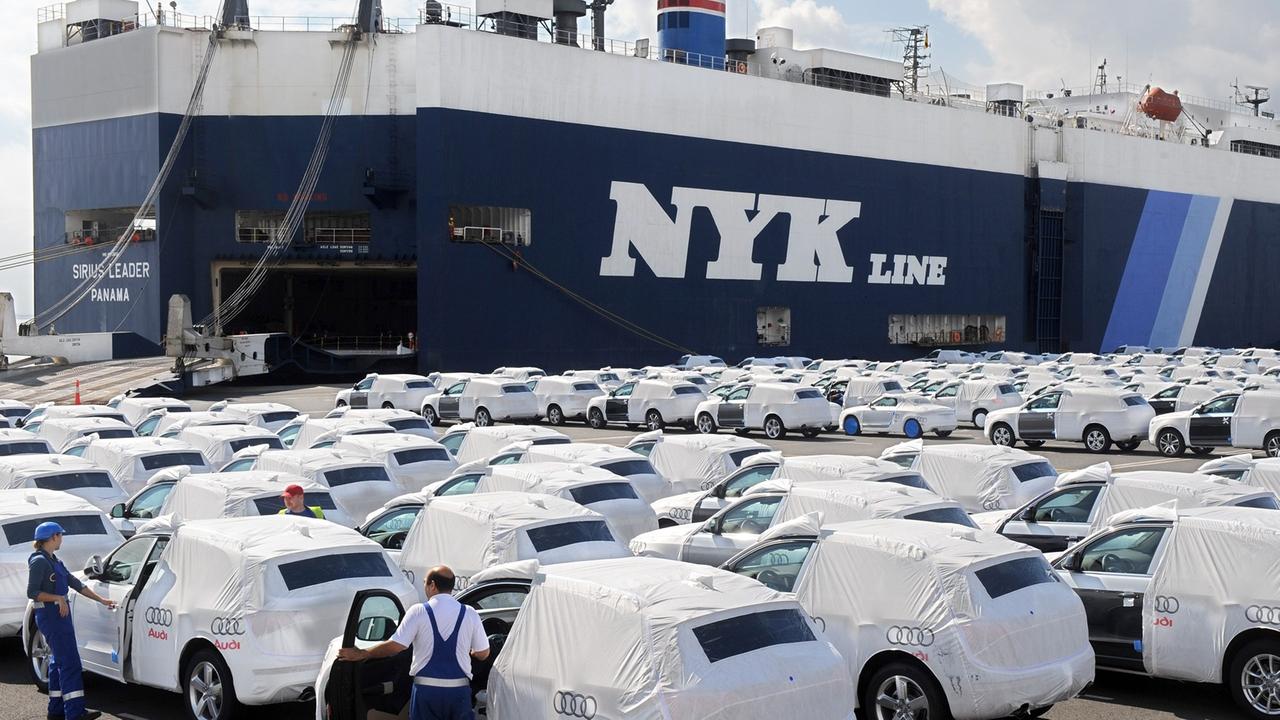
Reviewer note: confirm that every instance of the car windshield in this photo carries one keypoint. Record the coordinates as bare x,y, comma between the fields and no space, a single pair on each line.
25,447
328,568
20,532
892,386
463,485
1032,471
278,416
586,387
1006,577
1265,502
551,441
914,480
515,389
74,481
628,468
687,390
952,515
1228,474
734,636
164,460
905,460
273,504
599,492
737,456
419,385
271,441
808,395
112,433
409,424
417,455
358,474
551,537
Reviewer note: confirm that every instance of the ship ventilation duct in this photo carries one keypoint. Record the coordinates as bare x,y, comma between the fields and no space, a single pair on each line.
567,13
235,14
369,17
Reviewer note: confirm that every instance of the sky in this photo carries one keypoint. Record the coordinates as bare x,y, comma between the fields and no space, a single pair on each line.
1194,46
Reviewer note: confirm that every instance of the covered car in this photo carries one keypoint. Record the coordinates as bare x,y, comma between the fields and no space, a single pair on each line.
15,441
357,483
628,464
986,630
694,462
390,390
973,400
40,413
774,407
269,415
63,473
136,409
469,443
1095,416
402,421
219,443
87,533
592,487
484,400
163,424
306,433
61,433
898,414
564,397
246,494
12,411
1259,472
412,460
1248,420
654,403
132,461
979,477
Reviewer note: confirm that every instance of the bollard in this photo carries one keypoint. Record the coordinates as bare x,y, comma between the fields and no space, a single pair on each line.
77,392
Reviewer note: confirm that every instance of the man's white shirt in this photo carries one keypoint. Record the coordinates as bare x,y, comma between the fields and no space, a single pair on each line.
415,630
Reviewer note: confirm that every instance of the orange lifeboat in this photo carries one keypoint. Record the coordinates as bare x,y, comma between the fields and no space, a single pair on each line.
1160,105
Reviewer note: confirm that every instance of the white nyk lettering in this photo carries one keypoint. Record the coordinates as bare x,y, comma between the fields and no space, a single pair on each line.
908,270
86,271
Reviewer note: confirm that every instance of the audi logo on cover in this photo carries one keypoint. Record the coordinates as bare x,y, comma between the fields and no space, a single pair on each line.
573,704
915,636
160,617
1264,614
681,513
1166,604
227,626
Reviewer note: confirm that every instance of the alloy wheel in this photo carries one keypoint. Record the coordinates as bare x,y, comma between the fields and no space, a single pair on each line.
900,698
1260,681
205,691
40,656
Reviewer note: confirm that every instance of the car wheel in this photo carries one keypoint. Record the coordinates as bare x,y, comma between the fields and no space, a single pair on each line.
483,418
900,691
1169,443
208,689
911,428
773,428
429,414
1034,443
1254,679
706,425
341,403
1097,439
388,406
742,432
653,420
851,426
1272,445
555,415
38,657
1128,445
942,433
1202,451
811,432
595,419
1002,434
979,419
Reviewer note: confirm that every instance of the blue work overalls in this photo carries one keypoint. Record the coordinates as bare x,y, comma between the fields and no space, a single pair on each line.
66,686
441,689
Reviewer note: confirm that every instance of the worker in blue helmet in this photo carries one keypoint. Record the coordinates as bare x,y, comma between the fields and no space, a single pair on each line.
47,585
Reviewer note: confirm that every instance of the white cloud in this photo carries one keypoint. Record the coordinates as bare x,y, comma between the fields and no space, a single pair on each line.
817,25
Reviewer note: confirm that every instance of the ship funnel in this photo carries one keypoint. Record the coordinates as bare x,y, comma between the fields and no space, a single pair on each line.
692,32
566,14
235,14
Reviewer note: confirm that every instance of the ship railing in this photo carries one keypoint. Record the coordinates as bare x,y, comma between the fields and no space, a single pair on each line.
384,343
1137,89
57,11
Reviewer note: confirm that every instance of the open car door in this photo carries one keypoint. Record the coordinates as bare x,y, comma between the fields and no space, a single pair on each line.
371,689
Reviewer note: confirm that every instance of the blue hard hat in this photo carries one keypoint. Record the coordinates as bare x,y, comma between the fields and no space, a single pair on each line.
46,530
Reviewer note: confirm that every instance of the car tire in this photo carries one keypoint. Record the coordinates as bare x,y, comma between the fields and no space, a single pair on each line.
851,426
912,429
1128,445
429,414
206,675
38,657
810,432
979,418
742,432
773,428
1202,451
1272,444
388,406
555,415
340,404
1255,660
1169,443
653,420
881,695
706,424
595,419
483,418
942,433
1002,434
1034,443
1097,439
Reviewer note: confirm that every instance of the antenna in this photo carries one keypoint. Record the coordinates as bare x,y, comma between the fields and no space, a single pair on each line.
915,53
1100,80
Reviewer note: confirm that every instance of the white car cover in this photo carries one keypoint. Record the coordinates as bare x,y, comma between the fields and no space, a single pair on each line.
1133,490
472,532
848,500
64,473
998,655
696,462
412,461
627,516
233,494
652,665
1263,473
1221,567
981,477
481,442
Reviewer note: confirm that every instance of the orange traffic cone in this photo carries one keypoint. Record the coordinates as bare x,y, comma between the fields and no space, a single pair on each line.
77,392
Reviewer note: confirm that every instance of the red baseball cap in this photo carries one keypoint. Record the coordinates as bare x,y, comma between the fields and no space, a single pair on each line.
293,490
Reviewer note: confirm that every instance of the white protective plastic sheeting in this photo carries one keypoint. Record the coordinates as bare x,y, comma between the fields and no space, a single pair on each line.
637,616
1259,472
1220,571
472,532
980,477
19,471
850,500
1133,490
811,468
122,458
482,442
990,656
204,497
691,463
627,517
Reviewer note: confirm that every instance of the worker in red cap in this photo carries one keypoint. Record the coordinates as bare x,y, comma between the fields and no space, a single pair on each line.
295,503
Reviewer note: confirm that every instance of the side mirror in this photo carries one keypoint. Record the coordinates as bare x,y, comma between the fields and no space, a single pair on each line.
719,491
712,526
1072,562
1028,514
118,511
93,567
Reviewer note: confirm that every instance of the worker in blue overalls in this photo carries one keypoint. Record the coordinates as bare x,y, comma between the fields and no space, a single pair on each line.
441,665
47,585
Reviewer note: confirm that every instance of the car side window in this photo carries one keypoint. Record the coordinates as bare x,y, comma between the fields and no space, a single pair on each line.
364,384
455,389
499,598
624,391
1223,405
506,459
747,479
1070,505
739,394
948,391
125,564
1169,393
1046,402
643,448
453,442
462,485
1128,551
775,566
148,426
885,402
149,501
752,516
390,530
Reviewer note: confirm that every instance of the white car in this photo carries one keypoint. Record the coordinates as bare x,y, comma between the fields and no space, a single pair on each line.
1259,472
862,390
1094,416
63,473
1081,502
523,374
628,464
986,631
1181,396
88,533
979,477
772,407
15,441
306,433
564,397
12,411
654,403
269,415
907,415
246,494
164,424
606,378
592,487
483,400
402,421
136,409
132,461
973,400
1248,420
62,432
469,443
40,413
405,392
227,612
414,462
358,484
694,462
219,443
699,506
1185,595
773,507
471,533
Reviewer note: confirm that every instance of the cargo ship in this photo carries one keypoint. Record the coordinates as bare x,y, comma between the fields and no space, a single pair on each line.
499,188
